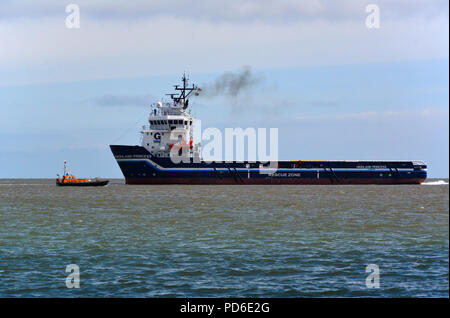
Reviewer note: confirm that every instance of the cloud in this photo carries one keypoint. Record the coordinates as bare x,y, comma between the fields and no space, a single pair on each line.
322,103
123,100
235,11
372,116
141,38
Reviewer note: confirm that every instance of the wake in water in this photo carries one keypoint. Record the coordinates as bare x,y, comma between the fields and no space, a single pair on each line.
439,182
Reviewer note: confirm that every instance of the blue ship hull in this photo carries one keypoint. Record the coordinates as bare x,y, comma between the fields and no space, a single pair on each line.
140,167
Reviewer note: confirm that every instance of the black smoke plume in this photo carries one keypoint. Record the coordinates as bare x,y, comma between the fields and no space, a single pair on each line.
230,84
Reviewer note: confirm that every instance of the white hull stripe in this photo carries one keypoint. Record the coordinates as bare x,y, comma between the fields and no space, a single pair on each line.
159,167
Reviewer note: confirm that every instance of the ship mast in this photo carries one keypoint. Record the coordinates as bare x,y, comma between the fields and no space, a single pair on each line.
184,92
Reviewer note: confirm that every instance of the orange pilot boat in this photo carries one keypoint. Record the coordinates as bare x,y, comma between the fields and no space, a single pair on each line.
71,180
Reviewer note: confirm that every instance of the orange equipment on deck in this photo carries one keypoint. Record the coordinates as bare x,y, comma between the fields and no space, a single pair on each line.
70,178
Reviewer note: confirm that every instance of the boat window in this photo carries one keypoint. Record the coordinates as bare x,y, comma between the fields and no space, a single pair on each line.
191,123
180,122
185,122
171,122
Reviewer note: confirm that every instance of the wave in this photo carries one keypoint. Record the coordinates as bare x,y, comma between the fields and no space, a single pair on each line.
439,182
24,184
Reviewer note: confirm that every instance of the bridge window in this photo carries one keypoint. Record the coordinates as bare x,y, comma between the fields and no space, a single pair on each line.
185,122
170,122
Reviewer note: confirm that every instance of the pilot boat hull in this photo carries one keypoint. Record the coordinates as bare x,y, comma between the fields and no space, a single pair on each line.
83,184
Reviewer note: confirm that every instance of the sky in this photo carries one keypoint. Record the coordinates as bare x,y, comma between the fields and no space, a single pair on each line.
335,89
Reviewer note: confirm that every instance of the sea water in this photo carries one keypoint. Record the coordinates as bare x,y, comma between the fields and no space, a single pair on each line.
224,241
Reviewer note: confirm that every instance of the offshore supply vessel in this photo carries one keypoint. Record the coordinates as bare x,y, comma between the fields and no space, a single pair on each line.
170,132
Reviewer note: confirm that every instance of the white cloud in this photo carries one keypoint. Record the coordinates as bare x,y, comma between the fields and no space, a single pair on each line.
133,39
236,11
372,116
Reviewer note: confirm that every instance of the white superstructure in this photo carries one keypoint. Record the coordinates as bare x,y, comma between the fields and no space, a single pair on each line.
170,126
